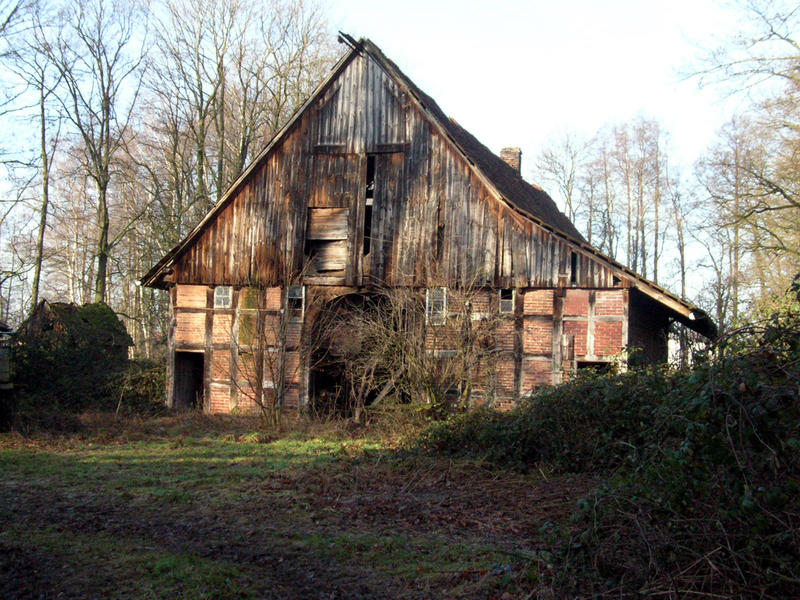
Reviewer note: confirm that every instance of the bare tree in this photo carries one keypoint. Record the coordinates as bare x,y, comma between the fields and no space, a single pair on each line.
750,172
277,333
70,265
229,74
561,164
9,12
31,64
98,53
765,48
432,346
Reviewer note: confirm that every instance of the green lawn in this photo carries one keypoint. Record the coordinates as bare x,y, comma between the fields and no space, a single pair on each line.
188,507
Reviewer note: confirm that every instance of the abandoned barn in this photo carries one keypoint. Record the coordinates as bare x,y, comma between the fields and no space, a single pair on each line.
370,186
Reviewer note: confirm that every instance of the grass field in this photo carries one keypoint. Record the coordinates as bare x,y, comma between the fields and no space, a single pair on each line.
194,507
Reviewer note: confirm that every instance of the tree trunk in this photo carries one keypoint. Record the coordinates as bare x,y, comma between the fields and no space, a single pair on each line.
101,275
45,199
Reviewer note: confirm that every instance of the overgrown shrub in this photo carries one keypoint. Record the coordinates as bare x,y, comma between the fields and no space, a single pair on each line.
67,357
702,471
141,387
594,423
712,503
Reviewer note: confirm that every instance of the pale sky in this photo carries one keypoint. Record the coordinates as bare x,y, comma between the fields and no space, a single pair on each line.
516,73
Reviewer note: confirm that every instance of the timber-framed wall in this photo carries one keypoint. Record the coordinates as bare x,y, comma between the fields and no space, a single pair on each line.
370,186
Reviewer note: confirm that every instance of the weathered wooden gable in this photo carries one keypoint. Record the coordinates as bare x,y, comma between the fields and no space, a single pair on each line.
432,213
371,184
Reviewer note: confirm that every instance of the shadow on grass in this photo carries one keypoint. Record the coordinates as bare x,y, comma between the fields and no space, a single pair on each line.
207,517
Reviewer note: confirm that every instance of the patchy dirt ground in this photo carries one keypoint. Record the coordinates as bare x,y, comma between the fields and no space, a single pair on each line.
216,515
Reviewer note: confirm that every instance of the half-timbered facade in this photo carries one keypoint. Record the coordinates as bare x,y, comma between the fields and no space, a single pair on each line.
370,185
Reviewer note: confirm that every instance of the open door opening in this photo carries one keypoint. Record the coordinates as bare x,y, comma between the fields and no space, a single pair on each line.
188,389
334,385
327,387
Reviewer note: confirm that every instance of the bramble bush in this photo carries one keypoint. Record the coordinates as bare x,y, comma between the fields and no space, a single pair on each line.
701,468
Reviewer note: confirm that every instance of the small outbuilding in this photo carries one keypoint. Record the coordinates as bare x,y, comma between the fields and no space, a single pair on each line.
69,352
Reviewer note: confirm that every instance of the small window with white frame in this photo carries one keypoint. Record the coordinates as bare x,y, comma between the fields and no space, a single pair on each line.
506,298
296,301
436,305
223,296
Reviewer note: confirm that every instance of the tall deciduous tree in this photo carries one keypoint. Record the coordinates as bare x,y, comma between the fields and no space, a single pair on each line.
225,76
560,164
751,171
614,187
30,62
98,53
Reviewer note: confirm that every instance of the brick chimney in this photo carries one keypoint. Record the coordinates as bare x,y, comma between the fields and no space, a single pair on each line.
512,157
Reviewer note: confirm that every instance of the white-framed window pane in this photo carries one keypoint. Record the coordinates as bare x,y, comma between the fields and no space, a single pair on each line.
223,296
296,301
506,297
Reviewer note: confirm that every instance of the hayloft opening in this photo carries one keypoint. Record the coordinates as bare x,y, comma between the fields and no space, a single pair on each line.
573,268
369,198
326,240
188,380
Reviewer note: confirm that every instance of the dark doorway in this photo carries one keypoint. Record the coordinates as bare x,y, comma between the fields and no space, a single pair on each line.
327,387
330,389
188,389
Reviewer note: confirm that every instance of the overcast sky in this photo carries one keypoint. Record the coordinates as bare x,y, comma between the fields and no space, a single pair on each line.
517,73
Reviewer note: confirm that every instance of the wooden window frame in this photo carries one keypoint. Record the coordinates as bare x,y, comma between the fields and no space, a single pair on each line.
296,292
227,297
435,316
500,301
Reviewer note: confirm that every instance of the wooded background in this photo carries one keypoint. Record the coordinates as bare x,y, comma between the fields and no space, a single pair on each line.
126,121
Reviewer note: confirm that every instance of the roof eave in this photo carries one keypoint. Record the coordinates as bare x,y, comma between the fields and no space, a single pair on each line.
155,276
682,308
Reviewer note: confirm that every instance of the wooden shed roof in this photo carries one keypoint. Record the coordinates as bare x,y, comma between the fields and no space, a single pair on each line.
509,186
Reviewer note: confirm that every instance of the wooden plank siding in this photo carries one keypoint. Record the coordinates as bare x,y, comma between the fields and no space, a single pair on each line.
432,215
370,185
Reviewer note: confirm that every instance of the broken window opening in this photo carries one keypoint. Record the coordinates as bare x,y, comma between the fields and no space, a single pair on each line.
223,296
439,243
436,305
370,177
369,196
598,367
573,271
367,226
296,301
506,296
311,252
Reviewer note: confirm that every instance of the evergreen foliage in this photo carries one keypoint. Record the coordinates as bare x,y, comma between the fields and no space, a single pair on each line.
68,356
